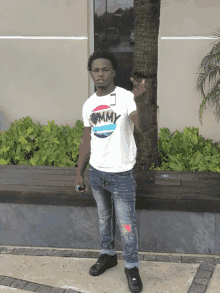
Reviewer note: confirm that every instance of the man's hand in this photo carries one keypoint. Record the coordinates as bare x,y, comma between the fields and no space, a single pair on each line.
139,89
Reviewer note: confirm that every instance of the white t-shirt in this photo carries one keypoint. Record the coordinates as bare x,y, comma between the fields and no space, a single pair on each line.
113,147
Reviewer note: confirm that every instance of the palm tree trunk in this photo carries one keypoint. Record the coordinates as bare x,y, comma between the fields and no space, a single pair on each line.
146,30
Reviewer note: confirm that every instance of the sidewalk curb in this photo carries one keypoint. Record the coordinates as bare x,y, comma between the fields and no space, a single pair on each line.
199,284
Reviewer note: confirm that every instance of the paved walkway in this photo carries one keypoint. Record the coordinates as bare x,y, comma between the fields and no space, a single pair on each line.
56,270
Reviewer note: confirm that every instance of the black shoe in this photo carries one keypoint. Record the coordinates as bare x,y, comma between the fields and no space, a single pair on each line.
104,263
134,280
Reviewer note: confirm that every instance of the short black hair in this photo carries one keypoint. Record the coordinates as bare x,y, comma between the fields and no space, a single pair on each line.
105,54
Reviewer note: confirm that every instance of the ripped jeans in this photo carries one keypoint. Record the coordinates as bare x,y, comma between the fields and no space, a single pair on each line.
119,190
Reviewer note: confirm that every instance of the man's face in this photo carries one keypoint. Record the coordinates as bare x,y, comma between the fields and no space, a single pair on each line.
102,73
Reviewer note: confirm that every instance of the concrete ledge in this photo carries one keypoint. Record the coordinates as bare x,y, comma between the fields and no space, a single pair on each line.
176,212
156,190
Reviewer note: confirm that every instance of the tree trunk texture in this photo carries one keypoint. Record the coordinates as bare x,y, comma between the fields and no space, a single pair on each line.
146,30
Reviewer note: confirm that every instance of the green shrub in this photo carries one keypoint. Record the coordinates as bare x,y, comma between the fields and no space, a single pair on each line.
26,143
187,151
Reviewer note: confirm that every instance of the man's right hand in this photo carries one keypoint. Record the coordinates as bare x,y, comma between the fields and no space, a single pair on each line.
80,181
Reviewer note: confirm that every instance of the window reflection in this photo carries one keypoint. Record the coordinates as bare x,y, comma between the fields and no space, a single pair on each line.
116,34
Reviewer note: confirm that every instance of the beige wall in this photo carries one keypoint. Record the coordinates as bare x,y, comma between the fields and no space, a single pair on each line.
44,79
48,79
179,60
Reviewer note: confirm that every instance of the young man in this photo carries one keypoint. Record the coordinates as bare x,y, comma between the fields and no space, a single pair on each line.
108,145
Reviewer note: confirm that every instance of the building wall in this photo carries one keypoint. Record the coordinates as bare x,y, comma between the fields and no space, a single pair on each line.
48,79
178,64
45,79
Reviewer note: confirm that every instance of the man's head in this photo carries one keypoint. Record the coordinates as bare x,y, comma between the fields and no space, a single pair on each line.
102,66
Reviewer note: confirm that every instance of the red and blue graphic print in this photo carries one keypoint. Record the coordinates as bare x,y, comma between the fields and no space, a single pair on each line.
103,120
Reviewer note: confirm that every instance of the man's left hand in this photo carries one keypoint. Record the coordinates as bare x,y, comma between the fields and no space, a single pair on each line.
139,89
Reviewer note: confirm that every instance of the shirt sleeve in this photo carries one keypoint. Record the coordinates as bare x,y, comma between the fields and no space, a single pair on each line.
85,118
131,105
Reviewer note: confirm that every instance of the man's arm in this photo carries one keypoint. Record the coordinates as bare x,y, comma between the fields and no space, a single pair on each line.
141,120
134,118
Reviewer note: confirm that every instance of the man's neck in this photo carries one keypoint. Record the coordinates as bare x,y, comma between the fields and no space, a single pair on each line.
107,93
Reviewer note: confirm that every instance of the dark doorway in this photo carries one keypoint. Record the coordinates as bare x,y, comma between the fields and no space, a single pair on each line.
115,32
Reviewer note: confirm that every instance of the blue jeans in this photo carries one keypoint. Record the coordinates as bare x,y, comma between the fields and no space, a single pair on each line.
119,189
